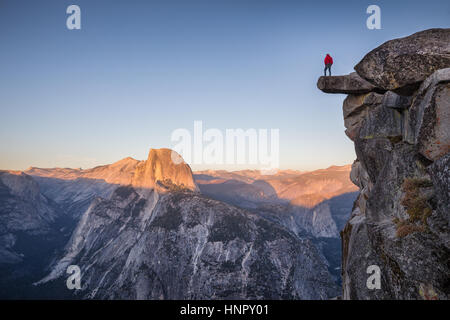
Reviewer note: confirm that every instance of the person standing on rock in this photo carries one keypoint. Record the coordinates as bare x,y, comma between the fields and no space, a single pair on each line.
328,63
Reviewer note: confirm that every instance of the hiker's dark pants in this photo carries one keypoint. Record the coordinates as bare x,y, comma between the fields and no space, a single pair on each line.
327,66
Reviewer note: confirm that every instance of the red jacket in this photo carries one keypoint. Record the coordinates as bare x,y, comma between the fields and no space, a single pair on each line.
328,60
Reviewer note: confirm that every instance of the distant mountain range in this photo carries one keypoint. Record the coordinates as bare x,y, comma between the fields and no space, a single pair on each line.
296,187
312,205
154,230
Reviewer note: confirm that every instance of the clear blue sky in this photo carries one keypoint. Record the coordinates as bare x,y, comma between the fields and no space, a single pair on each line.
137,70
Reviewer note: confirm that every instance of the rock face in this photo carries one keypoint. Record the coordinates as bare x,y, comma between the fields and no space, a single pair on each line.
164,168
158,238
402,64
400,220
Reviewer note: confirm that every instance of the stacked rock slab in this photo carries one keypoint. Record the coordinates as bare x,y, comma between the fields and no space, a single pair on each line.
400,125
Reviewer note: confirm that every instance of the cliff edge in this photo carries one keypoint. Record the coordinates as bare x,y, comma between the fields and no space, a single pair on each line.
398,114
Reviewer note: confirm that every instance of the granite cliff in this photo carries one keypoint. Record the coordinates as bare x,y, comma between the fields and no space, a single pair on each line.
397,112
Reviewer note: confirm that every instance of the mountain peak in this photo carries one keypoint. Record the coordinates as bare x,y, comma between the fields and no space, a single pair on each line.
164,168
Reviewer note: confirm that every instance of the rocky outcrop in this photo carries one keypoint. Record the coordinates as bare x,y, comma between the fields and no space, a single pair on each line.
402,64
400,220
350,84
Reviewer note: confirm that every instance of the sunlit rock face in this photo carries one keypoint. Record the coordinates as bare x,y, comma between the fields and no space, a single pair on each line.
400,220
350,84
164,168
